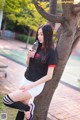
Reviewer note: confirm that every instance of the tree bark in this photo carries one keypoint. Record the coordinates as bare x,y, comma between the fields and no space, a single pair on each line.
76,39
4,28
49,17
27,42
64,47
43,101
52,10
76,8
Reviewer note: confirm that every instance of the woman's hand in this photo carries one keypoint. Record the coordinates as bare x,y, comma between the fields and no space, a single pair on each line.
30,54
25,87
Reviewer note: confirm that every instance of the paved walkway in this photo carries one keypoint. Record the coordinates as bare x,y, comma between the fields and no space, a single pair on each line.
65,104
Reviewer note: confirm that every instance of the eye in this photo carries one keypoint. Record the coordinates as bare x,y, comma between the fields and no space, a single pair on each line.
41,34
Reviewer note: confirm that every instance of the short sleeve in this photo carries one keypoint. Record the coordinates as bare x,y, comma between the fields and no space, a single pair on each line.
52,60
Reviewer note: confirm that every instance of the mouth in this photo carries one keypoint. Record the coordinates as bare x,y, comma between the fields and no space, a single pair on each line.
40,41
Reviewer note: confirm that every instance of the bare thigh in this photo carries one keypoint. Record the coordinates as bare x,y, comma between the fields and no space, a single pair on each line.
26,101
19,95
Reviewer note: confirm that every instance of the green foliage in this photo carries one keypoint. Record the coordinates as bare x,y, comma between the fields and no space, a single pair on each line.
59,6
55,36
1,104
24,38
10,26
21,37
31,41
1,5
23,12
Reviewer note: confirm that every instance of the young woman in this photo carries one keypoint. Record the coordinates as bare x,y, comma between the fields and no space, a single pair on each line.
40,69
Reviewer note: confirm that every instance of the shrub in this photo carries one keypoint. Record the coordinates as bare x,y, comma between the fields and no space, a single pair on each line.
24,38
31,41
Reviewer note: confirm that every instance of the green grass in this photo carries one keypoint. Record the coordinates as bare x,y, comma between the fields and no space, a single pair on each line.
1,104
11,113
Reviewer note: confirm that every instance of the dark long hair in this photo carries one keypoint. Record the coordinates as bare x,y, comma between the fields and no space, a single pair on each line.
48,42
48,35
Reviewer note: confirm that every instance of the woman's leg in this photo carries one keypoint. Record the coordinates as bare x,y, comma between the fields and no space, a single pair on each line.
19,95
14,98
20,115
29,114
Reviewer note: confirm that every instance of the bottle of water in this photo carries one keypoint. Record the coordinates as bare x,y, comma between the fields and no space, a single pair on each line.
35,46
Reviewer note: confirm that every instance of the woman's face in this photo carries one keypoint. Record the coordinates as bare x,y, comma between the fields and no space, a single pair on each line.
40,36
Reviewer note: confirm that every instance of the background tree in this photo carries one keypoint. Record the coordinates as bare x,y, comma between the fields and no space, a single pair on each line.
24,13
1,11
52,9
68,38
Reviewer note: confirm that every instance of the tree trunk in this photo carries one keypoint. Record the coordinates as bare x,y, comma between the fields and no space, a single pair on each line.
66,41
63,48
52,10
1,17
4,28
27,42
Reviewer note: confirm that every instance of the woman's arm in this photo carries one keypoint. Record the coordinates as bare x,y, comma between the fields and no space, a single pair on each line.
40,81
27,60
45,78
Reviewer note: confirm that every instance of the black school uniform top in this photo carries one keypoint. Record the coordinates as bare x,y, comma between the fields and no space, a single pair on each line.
37,67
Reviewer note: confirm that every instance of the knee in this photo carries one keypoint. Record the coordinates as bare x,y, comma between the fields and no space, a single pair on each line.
6,100
25,101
